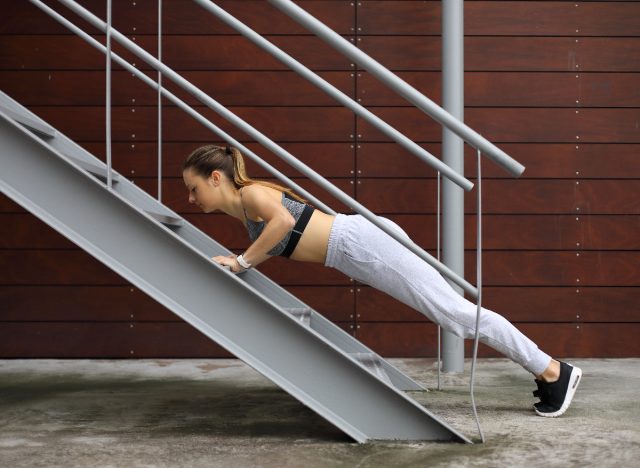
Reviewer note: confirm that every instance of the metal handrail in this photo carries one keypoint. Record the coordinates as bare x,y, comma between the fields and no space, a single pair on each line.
331,90
181,104
265,141
396,83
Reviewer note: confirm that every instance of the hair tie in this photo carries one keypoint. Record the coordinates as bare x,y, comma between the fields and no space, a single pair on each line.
228,150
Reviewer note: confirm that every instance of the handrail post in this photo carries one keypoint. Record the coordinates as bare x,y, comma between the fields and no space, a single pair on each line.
453,156
108,98
439,250
160,102
479,298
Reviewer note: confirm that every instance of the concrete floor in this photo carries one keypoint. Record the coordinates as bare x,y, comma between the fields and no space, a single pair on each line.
221,413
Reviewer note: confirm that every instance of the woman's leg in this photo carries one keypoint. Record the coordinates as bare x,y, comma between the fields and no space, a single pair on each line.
367,254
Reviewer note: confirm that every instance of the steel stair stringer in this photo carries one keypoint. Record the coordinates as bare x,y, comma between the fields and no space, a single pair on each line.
205,244
229,309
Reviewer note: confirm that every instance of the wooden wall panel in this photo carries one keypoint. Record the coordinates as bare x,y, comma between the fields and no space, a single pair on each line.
514,89
230,88
570,304
108,340
54,267
566,268
498,18
214,53
69,267
518,125
519,304
25,18
542,196
501,268
237,53
552,83
560,340
139,159
524,54
532,232
175,195
184,17
140,123
104,340
481,53
77,303
524,18
541,160
59,303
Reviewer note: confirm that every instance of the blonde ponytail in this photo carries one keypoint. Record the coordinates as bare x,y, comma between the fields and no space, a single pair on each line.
206,159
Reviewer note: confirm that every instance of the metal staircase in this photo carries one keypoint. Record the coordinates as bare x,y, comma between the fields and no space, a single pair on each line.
253,318
249,315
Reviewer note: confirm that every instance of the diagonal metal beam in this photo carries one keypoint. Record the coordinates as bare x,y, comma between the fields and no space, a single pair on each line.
217,303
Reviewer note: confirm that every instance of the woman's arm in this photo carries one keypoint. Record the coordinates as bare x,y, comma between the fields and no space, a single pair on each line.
278,222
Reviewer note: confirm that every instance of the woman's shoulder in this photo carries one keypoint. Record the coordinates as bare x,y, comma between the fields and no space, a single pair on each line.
256,198
256,191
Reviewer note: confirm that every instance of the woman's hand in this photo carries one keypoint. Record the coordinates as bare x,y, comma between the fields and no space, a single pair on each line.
230,261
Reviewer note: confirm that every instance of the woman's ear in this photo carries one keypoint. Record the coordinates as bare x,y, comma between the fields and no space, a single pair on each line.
214,178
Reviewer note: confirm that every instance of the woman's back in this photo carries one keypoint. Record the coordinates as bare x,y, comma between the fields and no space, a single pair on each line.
312,245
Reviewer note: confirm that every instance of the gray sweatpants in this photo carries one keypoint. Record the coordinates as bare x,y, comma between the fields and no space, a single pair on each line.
363,252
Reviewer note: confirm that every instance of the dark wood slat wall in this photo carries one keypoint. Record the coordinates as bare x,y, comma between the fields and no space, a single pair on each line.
555,84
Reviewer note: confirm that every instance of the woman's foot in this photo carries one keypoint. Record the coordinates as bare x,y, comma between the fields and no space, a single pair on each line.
555,396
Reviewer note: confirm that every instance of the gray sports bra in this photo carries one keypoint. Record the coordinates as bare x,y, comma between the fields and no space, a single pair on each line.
301,212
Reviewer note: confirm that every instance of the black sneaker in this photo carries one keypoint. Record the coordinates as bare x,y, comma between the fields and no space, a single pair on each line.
556,397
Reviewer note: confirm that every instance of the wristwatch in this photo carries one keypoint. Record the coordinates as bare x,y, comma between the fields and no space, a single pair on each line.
243,263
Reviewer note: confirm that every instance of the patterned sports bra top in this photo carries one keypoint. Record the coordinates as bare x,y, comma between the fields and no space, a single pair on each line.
301,212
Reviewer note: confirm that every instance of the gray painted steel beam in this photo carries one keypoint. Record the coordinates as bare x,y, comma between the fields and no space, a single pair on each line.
221,305
453,155
94,169
36,125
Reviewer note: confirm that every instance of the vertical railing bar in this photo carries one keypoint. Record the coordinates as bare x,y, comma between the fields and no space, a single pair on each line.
108,97
438,254
479,298
160,102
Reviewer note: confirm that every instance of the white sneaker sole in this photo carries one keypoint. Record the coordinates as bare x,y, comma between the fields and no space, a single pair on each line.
574,381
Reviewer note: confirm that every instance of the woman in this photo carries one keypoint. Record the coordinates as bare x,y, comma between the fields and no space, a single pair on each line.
281,223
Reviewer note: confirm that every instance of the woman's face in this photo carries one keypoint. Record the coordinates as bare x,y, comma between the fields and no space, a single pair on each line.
203,192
